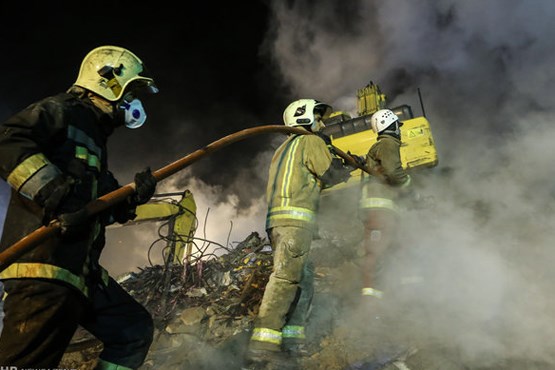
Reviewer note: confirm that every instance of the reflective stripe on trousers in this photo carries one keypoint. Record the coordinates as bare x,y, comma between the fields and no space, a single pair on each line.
293,213
384,203
267,335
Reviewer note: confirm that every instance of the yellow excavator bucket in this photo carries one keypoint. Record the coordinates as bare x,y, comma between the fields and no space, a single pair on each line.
184,224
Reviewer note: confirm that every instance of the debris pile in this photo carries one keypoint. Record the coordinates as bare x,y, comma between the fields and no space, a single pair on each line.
229,286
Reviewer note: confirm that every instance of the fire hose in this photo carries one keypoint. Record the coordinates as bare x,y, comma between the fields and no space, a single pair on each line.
32,240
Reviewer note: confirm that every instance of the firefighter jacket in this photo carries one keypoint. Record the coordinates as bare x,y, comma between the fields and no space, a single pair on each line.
63,135
294,185
384,157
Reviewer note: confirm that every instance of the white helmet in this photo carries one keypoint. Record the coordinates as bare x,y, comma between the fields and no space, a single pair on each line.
109,70
301,112
382,119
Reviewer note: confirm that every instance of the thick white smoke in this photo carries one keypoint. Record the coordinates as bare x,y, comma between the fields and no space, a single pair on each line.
484,253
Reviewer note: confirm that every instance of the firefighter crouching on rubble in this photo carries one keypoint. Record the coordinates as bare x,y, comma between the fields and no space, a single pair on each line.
378,206
299,169
53,155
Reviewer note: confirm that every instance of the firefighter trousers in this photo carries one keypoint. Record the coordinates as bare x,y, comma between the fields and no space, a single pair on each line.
288,293
379,230
41,317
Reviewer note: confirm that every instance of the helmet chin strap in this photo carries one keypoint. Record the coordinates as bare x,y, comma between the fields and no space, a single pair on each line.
393,130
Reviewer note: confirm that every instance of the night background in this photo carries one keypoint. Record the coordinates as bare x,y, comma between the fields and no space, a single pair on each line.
485,70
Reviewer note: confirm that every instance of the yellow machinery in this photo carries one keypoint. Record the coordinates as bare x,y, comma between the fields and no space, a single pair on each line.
355,135
182,222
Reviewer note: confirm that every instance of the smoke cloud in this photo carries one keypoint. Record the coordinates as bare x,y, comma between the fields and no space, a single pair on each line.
482,256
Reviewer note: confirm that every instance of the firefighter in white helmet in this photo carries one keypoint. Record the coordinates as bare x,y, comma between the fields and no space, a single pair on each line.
300,168
53,155
378,206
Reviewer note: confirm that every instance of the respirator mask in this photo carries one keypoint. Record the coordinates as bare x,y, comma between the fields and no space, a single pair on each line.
134,115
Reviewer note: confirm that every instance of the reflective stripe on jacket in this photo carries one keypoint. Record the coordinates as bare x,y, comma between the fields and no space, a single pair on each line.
64,134
293,192
384,157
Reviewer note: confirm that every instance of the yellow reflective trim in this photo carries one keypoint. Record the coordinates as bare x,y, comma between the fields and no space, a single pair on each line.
372,292
266,335
378,203
106,365
288,172
43,271
26,169
296,213
93,161
81,152
84,154
293,331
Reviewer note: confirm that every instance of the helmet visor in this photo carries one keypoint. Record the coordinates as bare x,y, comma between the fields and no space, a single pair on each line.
141,87
323,110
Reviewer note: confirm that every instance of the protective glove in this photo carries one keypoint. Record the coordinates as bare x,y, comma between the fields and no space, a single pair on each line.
74,225
337,172
343,171
51,195
145,186
360,160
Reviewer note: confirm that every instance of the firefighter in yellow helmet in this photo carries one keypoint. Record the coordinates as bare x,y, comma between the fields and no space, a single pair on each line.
53,155
378,205
299,169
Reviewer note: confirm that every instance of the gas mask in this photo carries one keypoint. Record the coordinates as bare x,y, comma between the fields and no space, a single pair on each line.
134,113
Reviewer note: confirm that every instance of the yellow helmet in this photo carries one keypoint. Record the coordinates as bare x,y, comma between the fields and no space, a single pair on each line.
108,70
